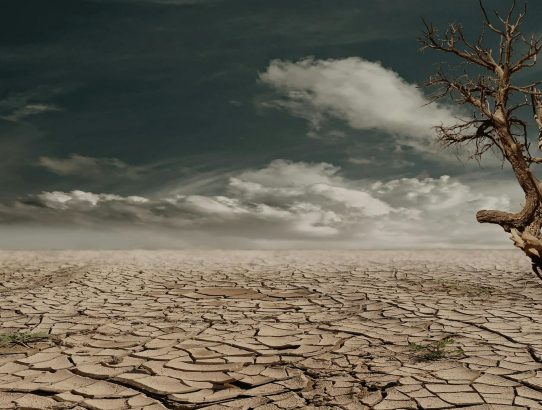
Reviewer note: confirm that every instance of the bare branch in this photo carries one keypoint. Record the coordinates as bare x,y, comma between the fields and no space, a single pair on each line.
510,12
487,22
529,58
449,44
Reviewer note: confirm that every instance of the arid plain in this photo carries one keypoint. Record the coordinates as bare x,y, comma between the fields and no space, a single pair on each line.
270,330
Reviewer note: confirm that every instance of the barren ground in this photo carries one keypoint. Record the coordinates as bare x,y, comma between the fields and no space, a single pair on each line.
271,330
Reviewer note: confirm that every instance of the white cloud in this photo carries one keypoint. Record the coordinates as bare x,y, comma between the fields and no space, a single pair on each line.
441,212
312,205
365,94
282,173
81,199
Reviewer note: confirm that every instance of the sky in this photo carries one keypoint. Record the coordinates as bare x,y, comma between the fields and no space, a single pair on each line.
235,124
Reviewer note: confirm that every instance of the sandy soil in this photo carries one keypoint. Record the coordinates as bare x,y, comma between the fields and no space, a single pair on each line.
271,330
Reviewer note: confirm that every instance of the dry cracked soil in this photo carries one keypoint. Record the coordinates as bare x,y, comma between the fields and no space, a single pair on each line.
270,330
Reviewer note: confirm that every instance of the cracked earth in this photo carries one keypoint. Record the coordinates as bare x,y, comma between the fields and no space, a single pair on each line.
271,330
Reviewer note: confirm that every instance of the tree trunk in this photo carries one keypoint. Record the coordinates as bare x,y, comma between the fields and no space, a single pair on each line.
525,225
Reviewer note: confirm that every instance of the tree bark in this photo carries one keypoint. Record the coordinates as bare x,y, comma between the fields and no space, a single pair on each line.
528,183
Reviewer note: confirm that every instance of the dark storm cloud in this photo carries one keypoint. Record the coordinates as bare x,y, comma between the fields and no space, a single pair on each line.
166,2
159,98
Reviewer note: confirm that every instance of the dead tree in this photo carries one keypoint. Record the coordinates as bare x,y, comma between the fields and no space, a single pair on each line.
499,122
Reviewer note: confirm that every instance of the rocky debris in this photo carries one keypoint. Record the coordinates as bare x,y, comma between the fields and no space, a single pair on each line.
270,330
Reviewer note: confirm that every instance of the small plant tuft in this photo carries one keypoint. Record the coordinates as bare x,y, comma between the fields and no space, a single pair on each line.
436,350
469,289
22,338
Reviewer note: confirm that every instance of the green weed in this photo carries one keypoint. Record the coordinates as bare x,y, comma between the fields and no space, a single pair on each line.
22,338
436,350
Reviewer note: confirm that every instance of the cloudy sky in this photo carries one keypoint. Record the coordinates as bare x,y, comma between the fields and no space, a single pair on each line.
234,124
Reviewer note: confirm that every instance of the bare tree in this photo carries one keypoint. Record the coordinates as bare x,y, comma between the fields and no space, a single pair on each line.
499,121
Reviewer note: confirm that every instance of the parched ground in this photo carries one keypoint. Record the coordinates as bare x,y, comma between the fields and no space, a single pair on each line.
270,330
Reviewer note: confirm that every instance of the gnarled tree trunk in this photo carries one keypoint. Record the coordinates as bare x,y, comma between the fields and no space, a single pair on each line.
524,225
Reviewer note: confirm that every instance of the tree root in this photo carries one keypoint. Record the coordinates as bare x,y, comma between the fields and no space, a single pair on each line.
537,267
531,246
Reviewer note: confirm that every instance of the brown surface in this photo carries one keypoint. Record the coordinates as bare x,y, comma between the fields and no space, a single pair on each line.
270,330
